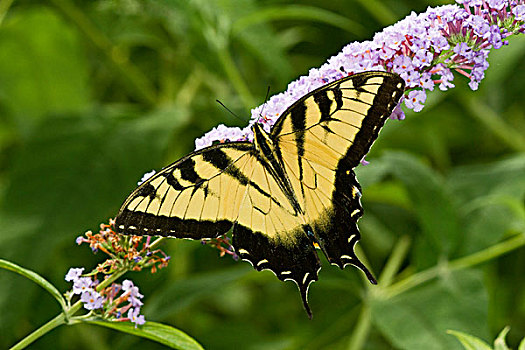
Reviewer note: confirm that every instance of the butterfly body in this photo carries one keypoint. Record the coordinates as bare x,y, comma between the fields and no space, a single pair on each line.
289,192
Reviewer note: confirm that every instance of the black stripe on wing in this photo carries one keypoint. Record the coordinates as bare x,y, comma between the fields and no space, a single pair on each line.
131,220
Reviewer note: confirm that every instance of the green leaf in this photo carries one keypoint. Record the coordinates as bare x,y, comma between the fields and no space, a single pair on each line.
522,345
500,177
500,343
298,12
470,342
491,197
379,11
431,201
33,276
161,333
419,318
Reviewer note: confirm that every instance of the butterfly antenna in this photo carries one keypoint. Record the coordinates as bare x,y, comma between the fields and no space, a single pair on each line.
235,115
265,100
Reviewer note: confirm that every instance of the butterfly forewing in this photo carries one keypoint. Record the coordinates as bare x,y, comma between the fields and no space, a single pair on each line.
196,197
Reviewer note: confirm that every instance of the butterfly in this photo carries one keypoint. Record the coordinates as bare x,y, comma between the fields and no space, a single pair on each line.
290,192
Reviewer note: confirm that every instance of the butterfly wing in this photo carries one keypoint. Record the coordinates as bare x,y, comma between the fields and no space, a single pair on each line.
321,139
205,193
196,197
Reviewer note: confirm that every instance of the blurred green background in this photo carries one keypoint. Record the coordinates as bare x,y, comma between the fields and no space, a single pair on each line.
95,93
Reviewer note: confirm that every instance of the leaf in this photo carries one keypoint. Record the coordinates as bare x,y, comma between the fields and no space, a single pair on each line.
500,343
298,12
33,276
522,345
500,177
161,333
491,197
431,201
470,342
419,318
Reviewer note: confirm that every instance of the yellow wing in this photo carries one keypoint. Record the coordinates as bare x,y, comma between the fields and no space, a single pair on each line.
321,139
206,193
196,197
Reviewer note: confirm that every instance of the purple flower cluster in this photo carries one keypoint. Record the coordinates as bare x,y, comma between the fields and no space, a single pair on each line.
108,301
424,49
91,299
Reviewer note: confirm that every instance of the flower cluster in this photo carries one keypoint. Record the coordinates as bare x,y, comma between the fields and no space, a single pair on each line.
424,49
125,253
131,252
107,302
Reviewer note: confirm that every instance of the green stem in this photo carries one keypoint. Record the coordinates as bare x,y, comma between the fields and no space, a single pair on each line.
360,333
399,253
458,264
134,79
364,322
4,8
66,317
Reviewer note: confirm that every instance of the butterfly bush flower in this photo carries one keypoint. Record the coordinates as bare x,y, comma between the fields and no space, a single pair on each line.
125,252
424,49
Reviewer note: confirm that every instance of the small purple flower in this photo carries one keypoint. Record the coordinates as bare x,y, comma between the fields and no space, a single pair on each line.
402,64
412,79
440,43
426,81
134,294
92,300
82,284
463,49
415,100
497,4
134,317
397,113
519,12
74,273
446,78
79,240
422,58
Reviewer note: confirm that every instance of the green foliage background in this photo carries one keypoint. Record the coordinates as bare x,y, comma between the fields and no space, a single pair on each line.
95,93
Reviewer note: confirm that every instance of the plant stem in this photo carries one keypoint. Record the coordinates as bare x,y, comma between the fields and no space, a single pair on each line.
364,322
64,317
462,263
394,262
360,333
